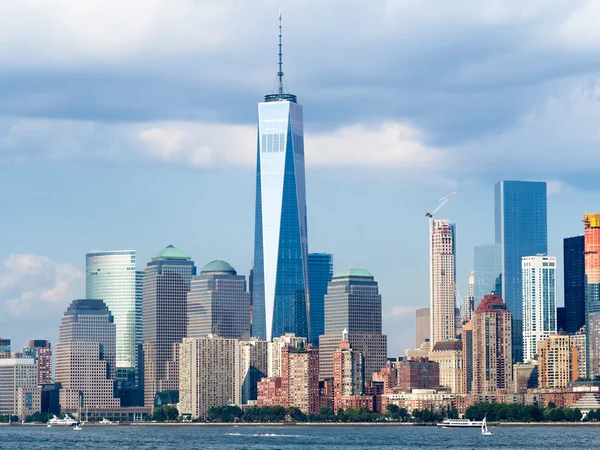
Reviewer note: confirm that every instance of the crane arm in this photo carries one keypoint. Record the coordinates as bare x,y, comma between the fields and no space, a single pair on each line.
441,202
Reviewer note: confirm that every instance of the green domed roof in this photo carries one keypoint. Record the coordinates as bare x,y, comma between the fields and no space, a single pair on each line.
352,272
171,252
219,266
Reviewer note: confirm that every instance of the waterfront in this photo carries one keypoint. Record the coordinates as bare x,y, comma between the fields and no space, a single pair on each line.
296,437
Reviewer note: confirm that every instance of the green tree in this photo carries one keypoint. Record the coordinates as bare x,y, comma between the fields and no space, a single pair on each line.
551,405
296,415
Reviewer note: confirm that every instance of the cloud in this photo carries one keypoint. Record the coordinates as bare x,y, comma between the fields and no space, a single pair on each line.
34,293
399,312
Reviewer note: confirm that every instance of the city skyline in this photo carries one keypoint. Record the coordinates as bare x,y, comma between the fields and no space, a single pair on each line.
42,267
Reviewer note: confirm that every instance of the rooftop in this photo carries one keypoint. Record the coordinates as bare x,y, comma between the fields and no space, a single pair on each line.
352,272
219,266
171,252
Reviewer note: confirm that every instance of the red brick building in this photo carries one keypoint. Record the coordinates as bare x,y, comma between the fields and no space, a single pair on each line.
418,373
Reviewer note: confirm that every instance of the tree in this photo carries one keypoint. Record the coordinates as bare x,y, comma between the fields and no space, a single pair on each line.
296,415
165,413
551,405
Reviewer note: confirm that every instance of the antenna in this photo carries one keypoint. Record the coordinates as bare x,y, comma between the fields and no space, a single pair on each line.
280,73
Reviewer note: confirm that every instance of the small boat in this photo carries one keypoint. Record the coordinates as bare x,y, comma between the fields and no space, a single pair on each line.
484,428
77,427
49,426
459,423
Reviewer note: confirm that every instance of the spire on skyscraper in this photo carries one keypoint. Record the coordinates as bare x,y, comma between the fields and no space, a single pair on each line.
279,94
280,73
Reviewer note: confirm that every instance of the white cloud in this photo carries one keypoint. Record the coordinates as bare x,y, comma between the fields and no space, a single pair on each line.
398,312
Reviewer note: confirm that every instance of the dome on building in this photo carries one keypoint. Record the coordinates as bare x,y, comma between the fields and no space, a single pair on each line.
171,252
220,267
352,272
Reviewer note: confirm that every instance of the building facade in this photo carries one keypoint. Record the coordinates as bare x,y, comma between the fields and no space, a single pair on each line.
442,280
276,348
592,291
423,328
353,303
467,357
4,348
320,272
418,373
208,375
15,374
166,285
280,301
218,303
448,355
253,365
348,371
539,302
41,352
574,283
557,361
487,271
492,346
112,278
521,230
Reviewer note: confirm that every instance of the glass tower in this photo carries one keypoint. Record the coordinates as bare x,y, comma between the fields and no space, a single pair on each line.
592,291
487,272
280,301
521,230
574,275
320,272
112,278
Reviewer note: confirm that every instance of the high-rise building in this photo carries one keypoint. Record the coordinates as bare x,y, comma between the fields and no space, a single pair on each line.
4,348
418,373
557,361
525,376
574,286
579,339
276,348
41,352
280,303
539,302
112,278
17,374
86,355
467,357
592,291
348,370
423,327
470,299
492,346
218,303
252,367
561,319
487,271
207,374
320,272
165,288
521,230
353,303
448,354
442,280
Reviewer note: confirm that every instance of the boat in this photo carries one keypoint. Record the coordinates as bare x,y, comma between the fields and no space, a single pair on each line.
105,421
77,427
67,421
460,423
484,428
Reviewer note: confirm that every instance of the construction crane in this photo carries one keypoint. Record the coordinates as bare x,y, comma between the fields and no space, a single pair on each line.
441,202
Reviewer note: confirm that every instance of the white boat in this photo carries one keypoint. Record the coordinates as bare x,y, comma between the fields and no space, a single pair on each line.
484,428
77,427
460,423
105,421
67,421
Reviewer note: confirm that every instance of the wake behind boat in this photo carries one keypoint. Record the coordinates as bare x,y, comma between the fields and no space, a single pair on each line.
460,423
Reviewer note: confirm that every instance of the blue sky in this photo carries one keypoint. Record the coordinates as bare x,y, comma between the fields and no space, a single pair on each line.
133,125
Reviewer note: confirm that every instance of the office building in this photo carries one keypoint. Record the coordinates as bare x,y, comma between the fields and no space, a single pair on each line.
492,346
442,280
521,230
353,303
276,348
420,352
218,303
561,319
348,370
557,361
448,355
574,283
41,352
15,374
165,288
469,300
112,278
320,272
525,376
539,302
579,339
487,271
280,301
85,357
253,365
592,291
418,373
467,357
208,374
423,327
4,348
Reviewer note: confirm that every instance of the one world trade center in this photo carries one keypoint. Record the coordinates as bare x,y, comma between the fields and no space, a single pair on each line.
280,295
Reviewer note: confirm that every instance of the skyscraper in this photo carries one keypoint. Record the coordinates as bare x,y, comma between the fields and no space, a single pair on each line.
557,361
492,346
521,230
423,327
353,303
165,288
487,279
218,303
539,302
16,374
574,276
442,280
320,272
280,301
41,352
348,372
252,366
592,291
112,278
4,348
86,355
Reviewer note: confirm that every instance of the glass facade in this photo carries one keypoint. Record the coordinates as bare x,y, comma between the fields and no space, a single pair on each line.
112,278
574,276
521,230
320,272
280,279
487,272
592,291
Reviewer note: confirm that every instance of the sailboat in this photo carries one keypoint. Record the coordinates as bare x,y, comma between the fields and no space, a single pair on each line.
77,426
484,428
